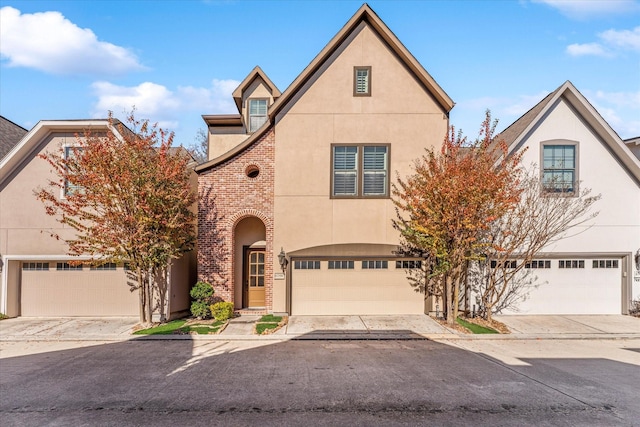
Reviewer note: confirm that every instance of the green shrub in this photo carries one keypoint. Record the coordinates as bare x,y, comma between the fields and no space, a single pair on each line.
222,310
201,291
200,309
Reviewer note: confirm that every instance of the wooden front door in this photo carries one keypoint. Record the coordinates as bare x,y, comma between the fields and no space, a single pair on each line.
255,278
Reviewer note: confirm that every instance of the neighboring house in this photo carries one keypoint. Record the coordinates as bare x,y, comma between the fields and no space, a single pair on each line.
37,278
295,211
10,135
591,271
634,145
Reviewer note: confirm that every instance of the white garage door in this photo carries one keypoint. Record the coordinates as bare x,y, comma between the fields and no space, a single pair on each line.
51,289
349,289
575,286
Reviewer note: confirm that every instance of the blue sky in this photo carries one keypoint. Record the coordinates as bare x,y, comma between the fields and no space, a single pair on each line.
178,60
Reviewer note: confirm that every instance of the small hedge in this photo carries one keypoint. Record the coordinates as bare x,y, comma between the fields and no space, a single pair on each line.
222,311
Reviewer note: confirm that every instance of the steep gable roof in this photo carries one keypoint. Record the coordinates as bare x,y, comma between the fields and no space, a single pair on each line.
34,137
518,131
364,14
254,74
10,135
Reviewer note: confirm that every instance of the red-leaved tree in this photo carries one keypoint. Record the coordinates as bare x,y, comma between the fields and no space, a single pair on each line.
128,197
450,202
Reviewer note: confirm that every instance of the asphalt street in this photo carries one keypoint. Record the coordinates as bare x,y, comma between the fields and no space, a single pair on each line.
323,382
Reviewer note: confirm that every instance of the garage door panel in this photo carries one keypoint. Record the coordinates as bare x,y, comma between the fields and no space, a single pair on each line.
585,290
77,293
357,291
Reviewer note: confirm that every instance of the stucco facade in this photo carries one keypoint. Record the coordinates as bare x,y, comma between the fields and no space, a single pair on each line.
36,279
403,112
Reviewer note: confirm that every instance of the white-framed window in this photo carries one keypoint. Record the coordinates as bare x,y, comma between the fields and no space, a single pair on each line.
605,263
35,266
257,113
362,81
360,170
559,167
105,266
306,265
341,265
63,266
375,264
512,263
571,263
409,264
538,263
70,152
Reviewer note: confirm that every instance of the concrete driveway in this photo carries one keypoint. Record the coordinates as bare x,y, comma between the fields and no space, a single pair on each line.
67,328
571,325
327,327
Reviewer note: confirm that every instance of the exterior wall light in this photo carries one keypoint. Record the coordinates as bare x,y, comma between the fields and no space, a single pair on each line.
282,259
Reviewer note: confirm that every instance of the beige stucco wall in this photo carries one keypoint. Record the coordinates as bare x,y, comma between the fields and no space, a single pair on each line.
224,139
400,113
24,226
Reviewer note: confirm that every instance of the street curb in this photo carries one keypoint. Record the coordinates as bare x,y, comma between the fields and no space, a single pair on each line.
375,336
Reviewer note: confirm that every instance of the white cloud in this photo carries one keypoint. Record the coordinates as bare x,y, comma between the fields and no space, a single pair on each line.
586,9
611,41
620,109
49,42
162,105
624,39
594,49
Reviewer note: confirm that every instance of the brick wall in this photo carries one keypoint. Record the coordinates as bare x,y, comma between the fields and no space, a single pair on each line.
228,195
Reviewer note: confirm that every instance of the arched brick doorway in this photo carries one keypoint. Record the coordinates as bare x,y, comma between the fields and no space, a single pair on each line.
249,258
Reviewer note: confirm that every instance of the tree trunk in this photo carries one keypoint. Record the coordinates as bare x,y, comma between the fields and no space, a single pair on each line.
450,318
142,298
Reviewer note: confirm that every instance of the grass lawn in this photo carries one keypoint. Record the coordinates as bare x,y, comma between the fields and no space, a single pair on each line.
476,329
268,323
180,326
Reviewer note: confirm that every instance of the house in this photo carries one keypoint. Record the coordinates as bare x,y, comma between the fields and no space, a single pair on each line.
634,145
37,278
592,270
295,211
10,135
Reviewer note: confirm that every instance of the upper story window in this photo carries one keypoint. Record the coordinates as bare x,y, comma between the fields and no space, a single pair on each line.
360,171
361,81
70,152
559,167
257,113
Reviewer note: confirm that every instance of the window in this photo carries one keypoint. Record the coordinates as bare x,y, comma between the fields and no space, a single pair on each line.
571,263
360,171
257,113
306,265
361,81
375,265
408,264
506,264
105,266
66,266
605,263
538,264
70,152
559,168
35,266
340,265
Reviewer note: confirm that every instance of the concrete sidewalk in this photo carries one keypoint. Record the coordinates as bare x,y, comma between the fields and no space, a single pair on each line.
328,327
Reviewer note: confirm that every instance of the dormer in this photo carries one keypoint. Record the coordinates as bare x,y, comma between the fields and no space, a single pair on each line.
253,97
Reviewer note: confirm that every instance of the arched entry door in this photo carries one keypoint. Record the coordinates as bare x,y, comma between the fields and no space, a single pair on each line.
249,263
254,278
